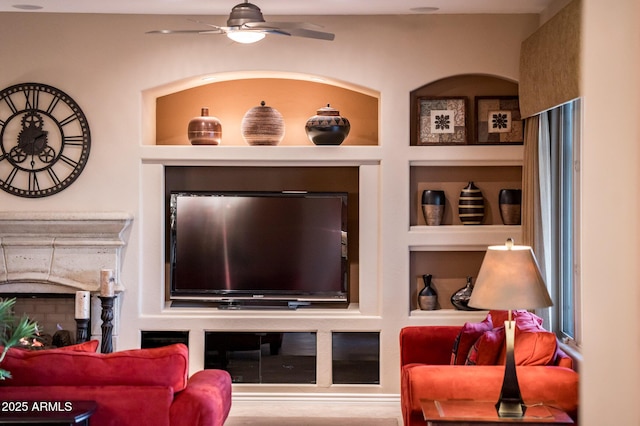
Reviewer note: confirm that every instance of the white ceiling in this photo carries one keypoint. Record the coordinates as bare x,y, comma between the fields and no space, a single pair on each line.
276,7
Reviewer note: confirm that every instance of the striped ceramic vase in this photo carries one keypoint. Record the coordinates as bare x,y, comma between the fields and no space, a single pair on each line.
471,205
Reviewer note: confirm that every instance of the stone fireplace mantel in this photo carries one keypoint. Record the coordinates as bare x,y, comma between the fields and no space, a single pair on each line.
60,252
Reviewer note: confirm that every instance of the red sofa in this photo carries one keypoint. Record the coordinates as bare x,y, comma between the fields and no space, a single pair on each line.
133,387
431,370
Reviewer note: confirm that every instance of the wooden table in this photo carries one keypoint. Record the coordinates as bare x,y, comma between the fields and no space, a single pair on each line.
70,413
468,413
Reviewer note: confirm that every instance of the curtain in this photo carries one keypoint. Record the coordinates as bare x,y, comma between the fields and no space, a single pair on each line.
541,199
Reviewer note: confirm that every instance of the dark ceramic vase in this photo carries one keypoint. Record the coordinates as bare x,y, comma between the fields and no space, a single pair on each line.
263,125
428,297
510,201
204,130
433,202
328,127
471,205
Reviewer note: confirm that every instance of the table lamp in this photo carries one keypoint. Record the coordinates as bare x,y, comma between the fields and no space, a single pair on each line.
510,279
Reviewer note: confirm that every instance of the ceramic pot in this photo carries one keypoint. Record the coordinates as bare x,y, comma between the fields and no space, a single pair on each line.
471,205
460,299
433,206
262,125
428,297
204,130
328,127
510,201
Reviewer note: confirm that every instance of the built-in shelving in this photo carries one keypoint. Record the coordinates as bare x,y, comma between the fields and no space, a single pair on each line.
452,251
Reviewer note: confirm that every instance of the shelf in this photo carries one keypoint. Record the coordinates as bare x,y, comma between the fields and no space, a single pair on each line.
261,155
449,316
467,155
460,237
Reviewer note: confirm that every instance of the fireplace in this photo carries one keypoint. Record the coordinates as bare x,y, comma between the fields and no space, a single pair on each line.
51,255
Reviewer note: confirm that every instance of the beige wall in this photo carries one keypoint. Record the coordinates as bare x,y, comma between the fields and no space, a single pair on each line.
611,238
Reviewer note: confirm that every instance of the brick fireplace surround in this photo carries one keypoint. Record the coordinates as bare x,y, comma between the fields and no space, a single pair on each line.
59,253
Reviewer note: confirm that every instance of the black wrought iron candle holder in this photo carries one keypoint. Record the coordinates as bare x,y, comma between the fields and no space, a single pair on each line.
82,330
107,326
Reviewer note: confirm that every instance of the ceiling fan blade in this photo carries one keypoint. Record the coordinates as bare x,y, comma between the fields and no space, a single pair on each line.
286,25
202,32
302,32
298,29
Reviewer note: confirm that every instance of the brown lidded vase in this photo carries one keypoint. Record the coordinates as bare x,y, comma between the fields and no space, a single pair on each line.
263,125
328,127
204,130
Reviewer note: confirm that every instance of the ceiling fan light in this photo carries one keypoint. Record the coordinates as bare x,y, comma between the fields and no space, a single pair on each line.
245,37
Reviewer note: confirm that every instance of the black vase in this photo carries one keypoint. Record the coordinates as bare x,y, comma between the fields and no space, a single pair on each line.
328,127
427,298
510,201
433,206
460,299
471,205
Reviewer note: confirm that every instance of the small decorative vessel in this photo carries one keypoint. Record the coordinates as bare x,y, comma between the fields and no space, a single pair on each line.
433,202
205,129
263,125
471,205
428,297
328,127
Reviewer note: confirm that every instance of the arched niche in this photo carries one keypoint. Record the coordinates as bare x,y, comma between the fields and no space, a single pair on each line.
297,97
467,85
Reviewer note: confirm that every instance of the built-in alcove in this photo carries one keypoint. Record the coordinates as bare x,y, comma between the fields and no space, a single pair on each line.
355,358
158,338
452,179
263,357
296,97
290,357
277,179
448,269
466,85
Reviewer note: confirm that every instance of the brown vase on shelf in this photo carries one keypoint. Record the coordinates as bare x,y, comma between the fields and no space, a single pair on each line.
204,130
510,201
433,202
263,125
471,205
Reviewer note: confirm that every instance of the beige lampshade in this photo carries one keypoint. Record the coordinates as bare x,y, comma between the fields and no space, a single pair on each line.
510,278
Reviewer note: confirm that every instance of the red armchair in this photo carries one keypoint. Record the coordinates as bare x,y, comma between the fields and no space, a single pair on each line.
427,373
134,387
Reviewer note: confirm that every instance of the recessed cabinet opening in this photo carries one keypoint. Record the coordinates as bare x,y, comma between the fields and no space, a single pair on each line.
449,271
297,100
451,180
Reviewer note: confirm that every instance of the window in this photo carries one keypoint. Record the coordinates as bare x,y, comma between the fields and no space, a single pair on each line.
564,123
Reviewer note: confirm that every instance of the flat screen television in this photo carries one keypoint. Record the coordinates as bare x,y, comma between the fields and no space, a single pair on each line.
268,247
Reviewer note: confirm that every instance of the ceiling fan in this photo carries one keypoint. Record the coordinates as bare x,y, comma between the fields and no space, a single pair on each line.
247,25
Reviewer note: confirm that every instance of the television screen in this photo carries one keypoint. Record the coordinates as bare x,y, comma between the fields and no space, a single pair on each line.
272,246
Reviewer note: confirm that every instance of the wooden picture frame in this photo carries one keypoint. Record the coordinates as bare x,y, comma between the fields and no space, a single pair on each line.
498,120
442,120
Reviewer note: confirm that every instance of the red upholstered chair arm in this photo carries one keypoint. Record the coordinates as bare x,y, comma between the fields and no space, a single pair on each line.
205,401
427,345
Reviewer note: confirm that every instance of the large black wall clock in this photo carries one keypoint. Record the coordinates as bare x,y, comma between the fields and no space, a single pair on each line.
44,140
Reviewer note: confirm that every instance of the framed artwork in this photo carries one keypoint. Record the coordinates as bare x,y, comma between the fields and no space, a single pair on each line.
442,121
498,120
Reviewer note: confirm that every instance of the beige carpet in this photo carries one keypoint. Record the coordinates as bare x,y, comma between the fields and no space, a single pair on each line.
310,421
